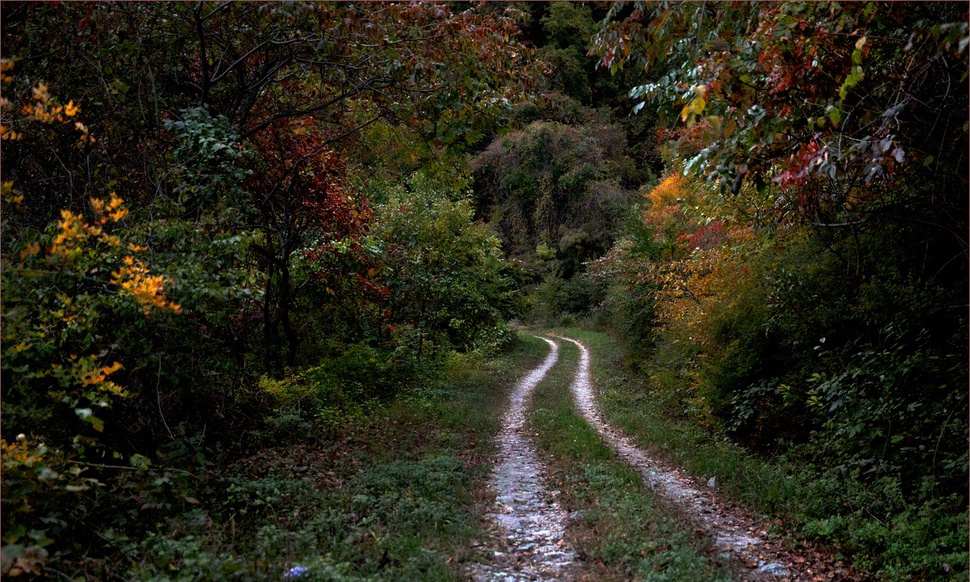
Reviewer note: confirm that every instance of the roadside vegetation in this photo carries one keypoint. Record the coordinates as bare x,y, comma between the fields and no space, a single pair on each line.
809,503
262,266
619,527
395,491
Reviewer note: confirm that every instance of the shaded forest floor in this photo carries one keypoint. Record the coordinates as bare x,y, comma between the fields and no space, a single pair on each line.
403,490
395,494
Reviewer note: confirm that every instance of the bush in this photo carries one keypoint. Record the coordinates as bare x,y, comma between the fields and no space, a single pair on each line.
558,185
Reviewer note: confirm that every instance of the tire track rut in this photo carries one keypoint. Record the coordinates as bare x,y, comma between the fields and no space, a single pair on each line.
532,522
735,535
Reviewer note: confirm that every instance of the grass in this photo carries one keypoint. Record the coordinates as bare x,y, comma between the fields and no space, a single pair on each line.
627,404
924,542
621,532
395,495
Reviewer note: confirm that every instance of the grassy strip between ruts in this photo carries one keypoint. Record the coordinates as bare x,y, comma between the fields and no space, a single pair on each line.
396,494
619,530
819,506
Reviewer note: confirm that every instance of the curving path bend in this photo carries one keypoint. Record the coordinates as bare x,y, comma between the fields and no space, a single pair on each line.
532,522
735,536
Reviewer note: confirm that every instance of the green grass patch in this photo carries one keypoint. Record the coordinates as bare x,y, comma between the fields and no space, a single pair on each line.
621,532
395,495
921,541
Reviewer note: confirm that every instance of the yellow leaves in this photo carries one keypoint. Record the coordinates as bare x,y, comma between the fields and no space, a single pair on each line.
20,452
97,205
41,94
111,210
6,65
21,347
115,214
74,232
665,200
44,109
8,134
10,195
686,287
670,189
115,202
88,372
99,379
147,289
696,105
101,374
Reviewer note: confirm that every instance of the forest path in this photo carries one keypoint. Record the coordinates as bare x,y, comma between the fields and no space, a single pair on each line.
735,535
533,523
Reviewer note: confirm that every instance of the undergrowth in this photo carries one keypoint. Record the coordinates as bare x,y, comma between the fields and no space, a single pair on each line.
871,523
393,496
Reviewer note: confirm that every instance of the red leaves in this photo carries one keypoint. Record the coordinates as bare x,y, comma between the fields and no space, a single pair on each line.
707,236
304,178
800,165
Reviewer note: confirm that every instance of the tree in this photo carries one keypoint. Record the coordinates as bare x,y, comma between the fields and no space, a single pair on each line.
556,185
833,103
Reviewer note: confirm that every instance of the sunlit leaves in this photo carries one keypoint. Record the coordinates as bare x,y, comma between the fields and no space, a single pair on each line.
696,105
148,290
42,108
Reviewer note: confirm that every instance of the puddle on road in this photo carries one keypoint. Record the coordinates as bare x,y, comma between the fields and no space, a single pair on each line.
530,519
733,535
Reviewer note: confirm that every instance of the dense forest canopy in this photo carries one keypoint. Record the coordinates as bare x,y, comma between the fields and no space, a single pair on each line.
229,227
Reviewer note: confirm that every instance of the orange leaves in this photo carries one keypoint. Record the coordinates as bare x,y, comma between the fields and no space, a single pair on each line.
6,65
703,247
99,375
111,210
74,232
668,191
147,289
19,452
666,199
75,235
43,109
98,378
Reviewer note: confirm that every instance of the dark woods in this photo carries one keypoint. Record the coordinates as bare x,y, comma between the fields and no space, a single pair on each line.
235,226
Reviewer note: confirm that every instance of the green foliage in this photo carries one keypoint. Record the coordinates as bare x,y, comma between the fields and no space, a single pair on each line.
237,301
886,528
317,232
568,26
393,502
345,384
763,88
557,185
555,297
888,409
445,274
209,162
